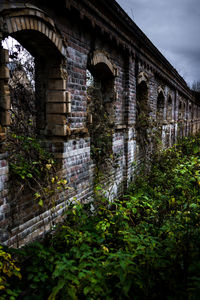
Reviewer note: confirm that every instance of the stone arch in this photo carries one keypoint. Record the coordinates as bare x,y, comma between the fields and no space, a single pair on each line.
18,17
104,73
32,28
100,61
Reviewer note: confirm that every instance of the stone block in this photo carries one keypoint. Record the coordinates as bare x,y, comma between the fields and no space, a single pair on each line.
5,102
59,130
68,99
4,72
56,108
57,84
14,26
4,56
5,118
55,73
31,24
35,24
39,26
4,170
68,96
56,96
56,119
23,24
69,107
90,118
4,88
18,23
27,23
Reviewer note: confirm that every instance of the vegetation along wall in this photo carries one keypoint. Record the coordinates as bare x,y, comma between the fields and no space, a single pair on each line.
105,99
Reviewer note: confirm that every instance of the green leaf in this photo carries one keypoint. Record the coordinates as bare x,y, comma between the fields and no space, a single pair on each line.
41,202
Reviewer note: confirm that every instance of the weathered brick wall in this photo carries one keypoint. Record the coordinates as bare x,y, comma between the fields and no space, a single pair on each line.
4,205
71,39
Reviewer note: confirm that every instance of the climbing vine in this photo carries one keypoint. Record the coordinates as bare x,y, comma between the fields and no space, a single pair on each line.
100,129
33,181
101,133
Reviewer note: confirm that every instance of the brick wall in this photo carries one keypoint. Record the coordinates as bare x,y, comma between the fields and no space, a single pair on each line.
70,43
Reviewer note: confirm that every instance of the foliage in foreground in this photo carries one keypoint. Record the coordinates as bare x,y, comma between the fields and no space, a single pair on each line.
144,246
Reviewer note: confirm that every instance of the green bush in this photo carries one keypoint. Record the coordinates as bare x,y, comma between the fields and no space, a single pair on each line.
8,270
144,246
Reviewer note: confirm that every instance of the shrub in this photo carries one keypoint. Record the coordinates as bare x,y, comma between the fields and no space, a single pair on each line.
8,270
143,246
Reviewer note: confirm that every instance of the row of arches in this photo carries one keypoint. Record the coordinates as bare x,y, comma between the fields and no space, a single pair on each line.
54,105
169,116
52,99
38,34
169,107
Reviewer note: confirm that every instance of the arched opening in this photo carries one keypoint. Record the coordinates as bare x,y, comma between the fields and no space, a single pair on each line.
180,119
22,89
142,120
184,120
47,100
160,108
184,110
49,85
169,108
189,111
100,90
37,33
142,101
31,98
180,111
190,118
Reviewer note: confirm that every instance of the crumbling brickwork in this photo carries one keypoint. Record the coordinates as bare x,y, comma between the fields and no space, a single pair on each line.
142,93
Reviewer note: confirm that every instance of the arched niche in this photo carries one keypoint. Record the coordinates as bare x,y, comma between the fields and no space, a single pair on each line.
169,108
142,115
36,32
184,110
104,72
160,105
101,75
190,111
142,95
180,108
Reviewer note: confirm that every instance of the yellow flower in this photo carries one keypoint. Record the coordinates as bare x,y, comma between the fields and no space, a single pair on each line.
105,249
48,166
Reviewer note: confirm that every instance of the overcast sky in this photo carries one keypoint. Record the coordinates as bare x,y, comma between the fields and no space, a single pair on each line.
174,28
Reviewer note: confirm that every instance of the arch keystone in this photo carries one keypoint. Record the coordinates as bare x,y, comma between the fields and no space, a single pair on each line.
161,90
142,77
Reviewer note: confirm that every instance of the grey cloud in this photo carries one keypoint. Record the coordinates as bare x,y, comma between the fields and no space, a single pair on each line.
174,28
